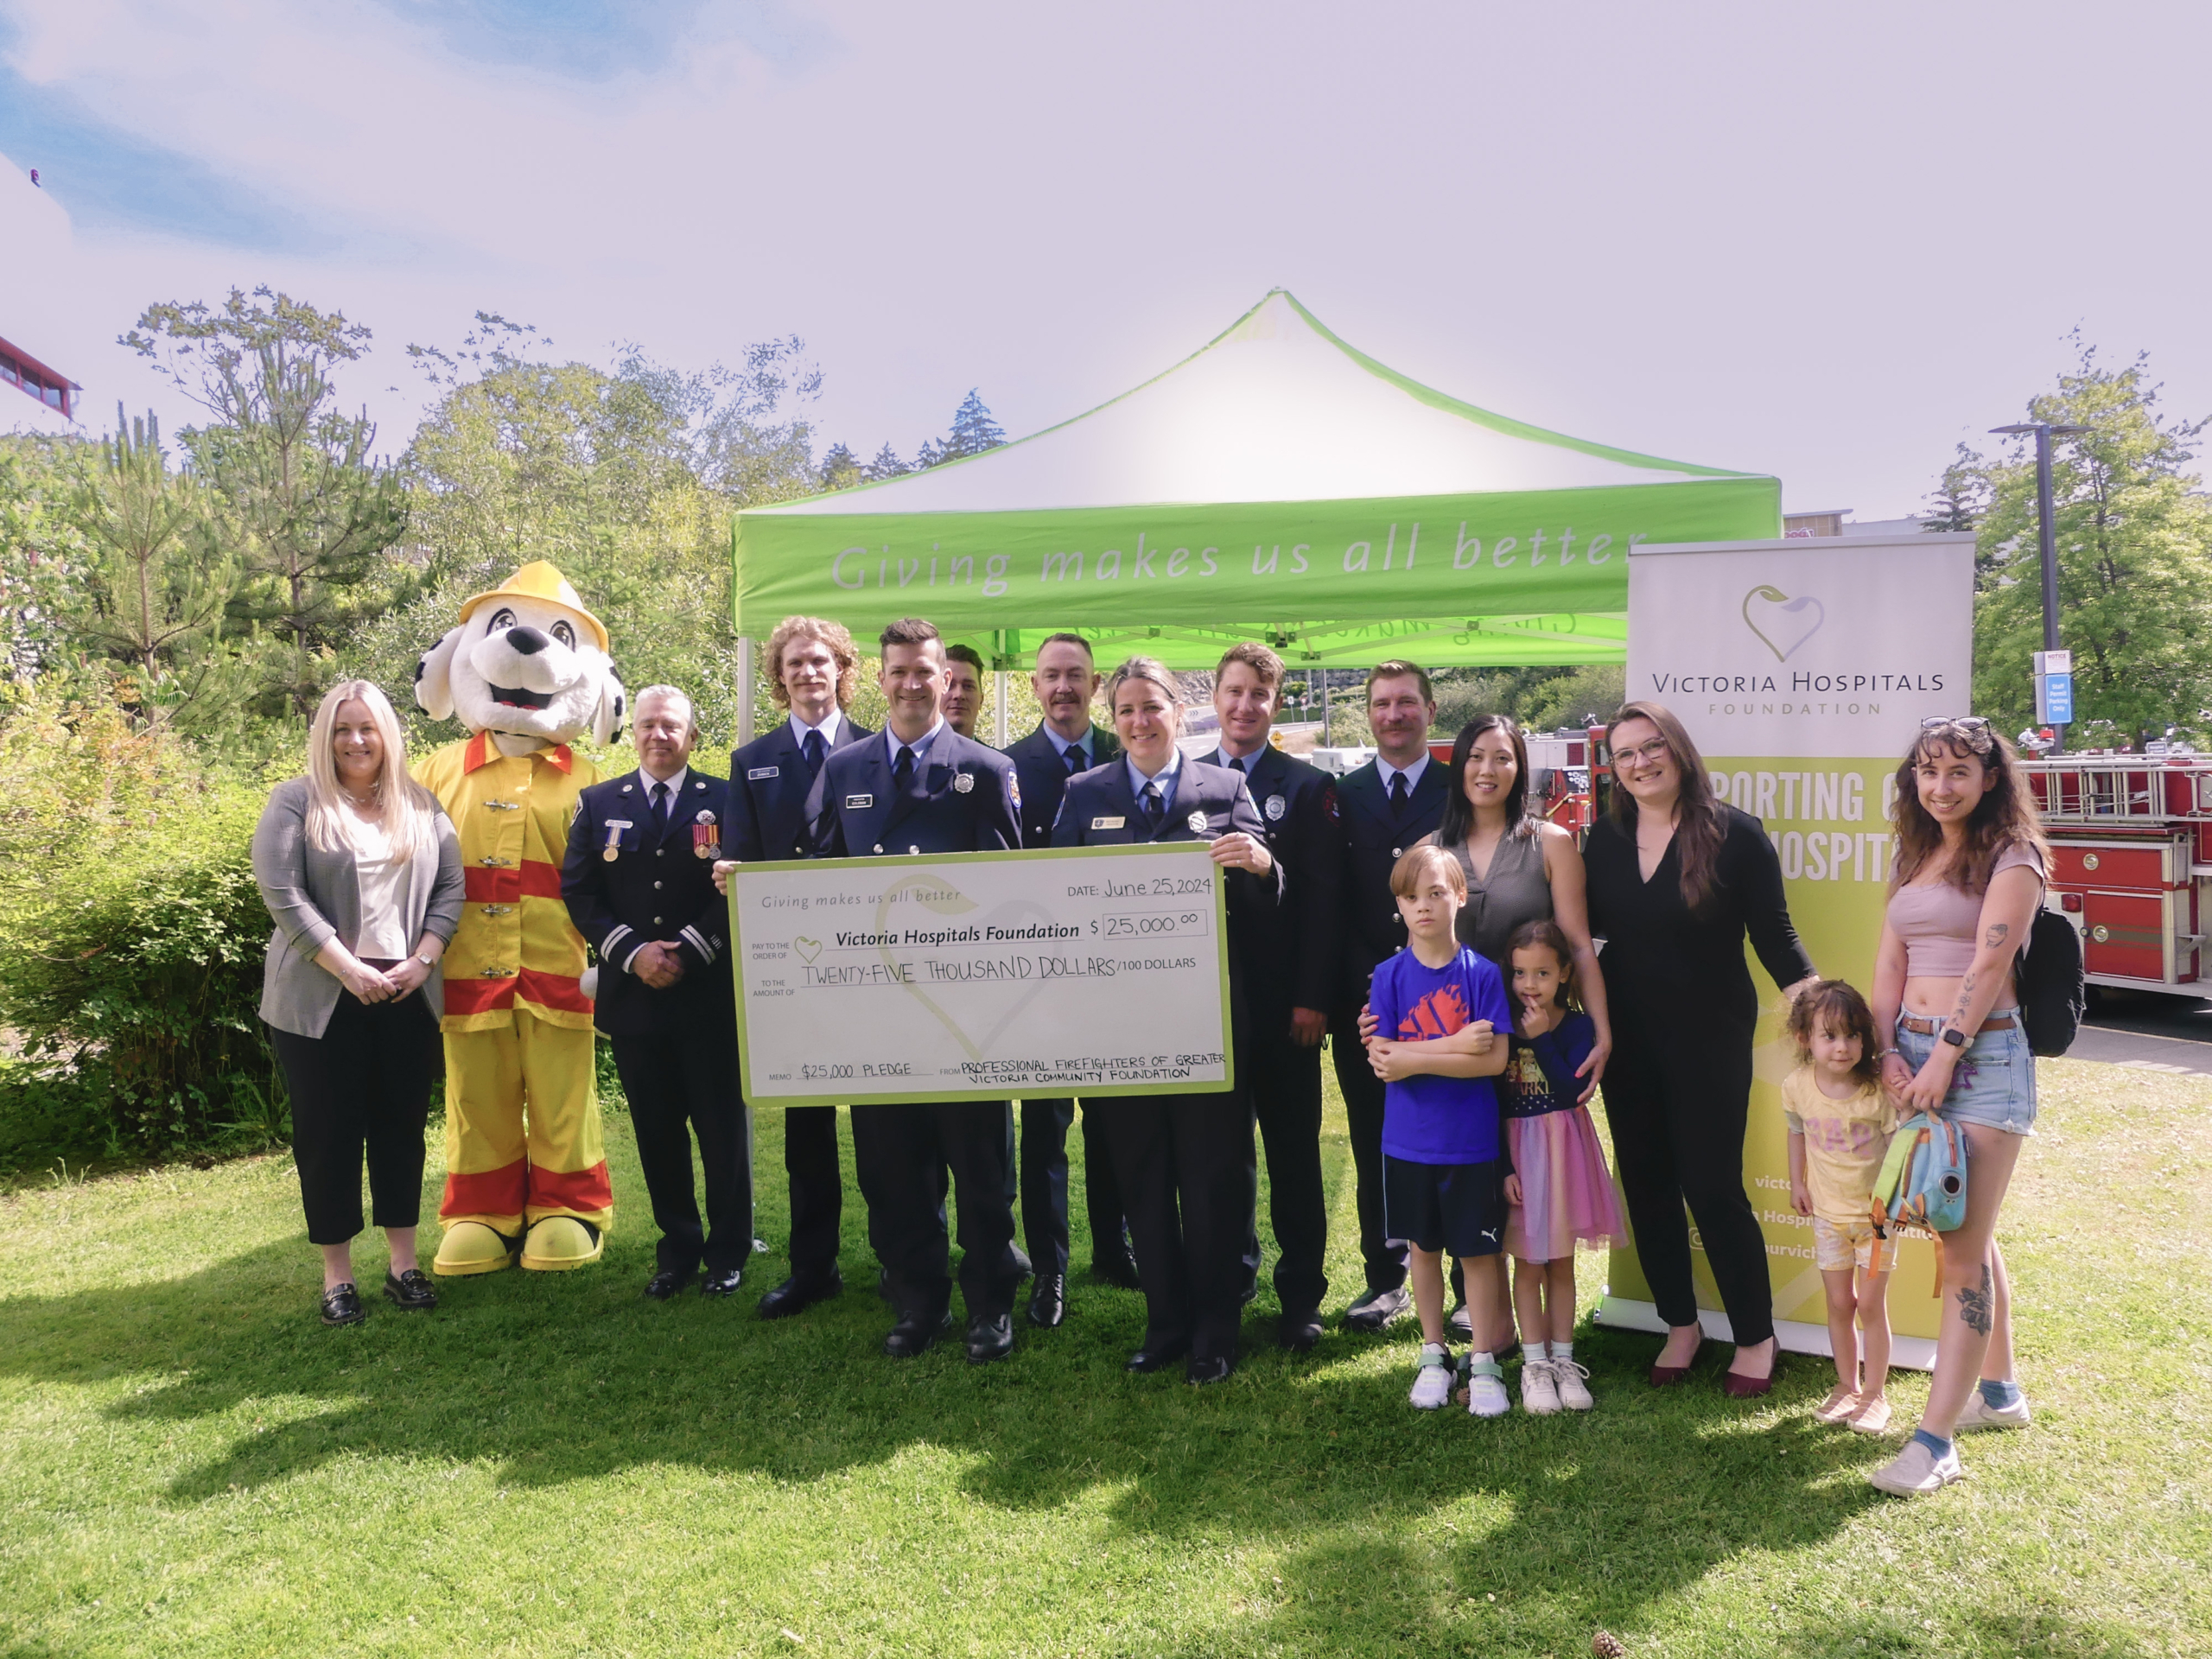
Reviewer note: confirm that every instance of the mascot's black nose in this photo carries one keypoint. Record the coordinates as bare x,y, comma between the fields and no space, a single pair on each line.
528,641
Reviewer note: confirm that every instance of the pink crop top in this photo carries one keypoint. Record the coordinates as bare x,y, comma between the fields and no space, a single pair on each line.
1938,921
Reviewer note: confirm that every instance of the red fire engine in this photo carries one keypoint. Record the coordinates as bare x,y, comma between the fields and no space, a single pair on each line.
2130,837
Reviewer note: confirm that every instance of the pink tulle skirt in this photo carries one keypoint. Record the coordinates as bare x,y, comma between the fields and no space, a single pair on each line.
1566,1192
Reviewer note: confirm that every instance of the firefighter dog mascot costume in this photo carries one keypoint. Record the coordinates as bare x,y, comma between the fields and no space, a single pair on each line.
526,671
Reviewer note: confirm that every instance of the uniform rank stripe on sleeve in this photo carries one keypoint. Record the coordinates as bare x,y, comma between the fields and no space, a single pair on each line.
613,942
699,943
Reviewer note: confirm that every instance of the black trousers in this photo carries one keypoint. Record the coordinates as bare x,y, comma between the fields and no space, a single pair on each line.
818,1191
363,1086
1189,1177
681,1084
1363,1093
903,1155
1045,1125
1677,1115
1284,1082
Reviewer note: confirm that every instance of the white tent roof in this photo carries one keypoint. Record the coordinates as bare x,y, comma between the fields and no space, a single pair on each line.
1277,409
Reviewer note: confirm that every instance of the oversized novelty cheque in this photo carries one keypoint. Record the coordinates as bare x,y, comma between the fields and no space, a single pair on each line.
1090,970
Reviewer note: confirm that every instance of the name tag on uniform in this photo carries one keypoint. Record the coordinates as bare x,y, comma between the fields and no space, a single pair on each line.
754,774
1109,824
854,803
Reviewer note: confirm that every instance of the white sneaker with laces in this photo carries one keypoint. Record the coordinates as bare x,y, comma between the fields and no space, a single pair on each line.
1916,1471
1433,1381
1979,1413
1487,1394
1539,1392
1573,1393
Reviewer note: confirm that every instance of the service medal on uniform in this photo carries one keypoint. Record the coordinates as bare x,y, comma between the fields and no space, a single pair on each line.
614,827
706,837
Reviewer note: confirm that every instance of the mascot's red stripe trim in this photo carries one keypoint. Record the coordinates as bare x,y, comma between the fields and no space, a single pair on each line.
547,990
500,1191
535,879
480,753
540,879
478,995
552,990
587,1189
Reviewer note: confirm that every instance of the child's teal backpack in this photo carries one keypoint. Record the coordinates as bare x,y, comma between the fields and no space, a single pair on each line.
1923,1178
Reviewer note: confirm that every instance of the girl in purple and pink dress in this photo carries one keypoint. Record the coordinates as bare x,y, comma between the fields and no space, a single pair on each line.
1560,1193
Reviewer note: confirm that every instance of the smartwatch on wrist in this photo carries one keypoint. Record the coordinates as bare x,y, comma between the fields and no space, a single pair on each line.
1954,1036
428,961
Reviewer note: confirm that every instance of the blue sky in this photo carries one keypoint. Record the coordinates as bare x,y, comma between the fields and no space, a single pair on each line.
1802,241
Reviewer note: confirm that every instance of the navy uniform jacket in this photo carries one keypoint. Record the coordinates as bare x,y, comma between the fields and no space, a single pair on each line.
1293,955
1373,842
1100,809
769,784
657,888
1044,777
860,812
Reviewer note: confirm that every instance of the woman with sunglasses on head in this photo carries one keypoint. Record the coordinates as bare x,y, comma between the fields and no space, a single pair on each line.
1677,880
1969,880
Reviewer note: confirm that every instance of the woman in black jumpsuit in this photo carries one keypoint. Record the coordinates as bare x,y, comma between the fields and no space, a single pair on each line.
1678,1089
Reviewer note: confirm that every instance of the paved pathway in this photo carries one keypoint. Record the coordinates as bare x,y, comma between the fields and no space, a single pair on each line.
2172,1034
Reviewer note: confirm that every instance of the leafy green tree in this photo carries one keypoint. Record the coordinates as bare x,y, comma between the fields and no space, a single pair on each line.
2133,536
311,509
43,552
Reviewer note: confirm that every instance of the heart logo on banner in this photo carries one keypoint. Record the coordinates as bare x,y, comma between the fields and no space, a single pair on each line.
807,949
933,894
1781,623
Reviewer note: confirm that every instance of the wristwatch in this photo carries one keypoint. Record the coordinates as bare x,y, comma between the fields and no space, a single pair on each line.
428,961
1954,1036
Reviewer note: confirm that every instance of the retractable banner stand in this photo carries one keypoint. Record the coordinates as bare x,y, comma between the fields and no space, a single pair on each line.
1803,669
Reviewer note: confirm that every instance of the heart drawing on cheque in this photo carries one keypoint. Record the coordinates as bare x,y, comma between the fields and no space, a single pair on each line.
935,894
807,949
1781,623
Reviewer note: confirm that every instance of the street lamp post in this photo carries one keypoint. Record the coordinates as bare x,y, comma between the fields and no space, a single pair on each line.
2046,535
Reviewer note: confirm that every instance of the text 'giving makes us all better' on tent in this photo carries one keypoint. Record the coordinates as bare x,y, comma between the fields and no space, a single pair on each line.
1277,484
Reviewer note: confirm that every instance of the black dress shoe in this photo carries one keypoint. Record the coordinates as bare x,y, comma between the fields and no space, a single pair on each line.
341,1305
1150,1358
990,1336
1300,1332
1378,1310
412,1290
911,1338
723,1281
1048,1300
1202,1371
1117,1269
797,1295
668,1282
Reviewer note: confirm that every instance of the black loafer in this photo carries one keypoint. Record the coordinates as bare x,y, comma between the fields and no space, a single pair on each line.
1378,1310
911,1338
990,1336
1202,1371
797,1295
722,1282
1300,1332
1117,1269
341,1305
1149,1359
411,1290
1048,1300
668,1282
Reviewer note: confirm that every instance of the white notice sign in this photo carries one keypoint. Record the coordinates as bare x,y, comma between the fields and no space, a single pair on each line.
1092,970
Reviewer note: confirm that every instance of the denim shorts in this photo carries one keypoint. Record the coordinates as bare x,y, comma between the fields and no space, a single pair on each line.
1994,1084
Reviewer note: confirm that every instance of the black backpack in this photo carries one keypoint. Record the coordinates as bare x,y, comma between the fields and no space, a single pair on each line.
2047,975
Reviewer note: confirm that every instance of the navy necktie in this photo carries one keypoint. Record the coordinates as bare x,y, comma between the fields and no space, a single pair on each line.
1073,755
814,749
1237,763
660,808
1400,796
1150,805
902,770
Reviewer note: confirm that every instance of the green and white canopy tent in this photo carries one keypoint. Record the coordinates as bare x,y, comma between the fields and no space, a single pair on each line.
1276,485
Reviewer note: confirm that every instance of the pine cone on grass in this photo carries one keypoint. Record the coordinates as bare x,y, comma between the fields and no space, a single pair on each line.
1606,1645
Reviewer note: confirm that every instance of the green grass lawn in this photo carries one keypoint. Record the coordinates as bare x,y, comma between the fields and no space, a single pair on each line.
549,1465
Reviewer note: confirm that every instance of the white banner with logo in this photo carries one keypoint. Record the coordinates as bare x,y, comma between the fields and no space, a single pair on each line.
1803,669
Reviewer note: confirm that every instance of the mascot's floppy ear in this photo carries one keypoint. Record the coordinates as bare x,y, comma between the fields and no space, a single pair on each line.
434,677
607,719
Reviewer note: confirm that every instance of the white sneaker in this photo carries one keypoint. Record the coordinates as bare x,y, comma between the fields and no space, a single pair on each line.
1539,1392
1979,1413
1916,1471
1487,1394
1433,1381
1573,1393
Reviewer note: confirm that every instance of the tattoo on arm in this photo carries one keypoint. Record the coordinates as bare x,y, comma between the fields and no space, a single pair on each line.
1975,1306
1997,936
1966,995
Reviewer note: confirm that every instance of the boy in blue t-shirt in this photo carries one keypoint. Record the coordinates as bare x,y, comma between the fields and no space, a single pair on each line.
1444,1166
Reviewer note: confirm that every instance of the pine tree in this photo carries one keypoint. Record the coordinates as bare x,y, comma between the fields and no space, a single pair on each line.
887,464
841,468
1962,497
973,431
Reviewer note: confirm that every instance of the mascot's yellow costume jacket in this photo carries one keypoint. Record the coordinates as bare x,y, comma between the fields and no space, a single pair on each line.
524,1146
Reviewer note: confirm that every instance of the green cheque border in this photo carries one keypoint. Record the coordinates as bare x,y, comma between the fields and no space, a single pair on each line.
1151,849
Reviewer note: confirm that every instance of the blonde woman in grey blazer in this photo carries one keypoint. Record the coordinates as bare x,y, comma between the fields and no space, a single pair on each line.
361,873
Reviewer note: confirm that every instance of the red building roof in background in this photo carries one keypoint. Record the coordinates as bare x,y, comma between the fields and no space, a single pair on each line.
18,368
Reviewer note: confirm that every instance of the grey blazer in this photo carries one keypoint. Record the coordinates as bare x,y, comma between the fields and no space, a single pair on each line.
312,896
